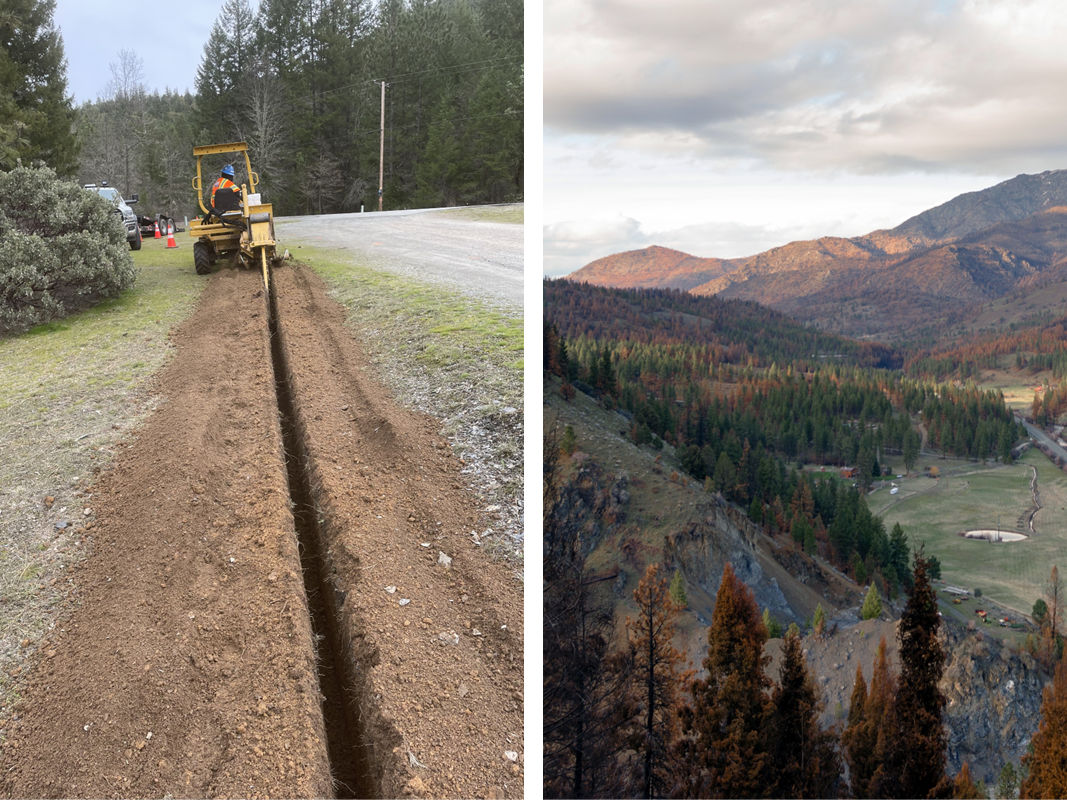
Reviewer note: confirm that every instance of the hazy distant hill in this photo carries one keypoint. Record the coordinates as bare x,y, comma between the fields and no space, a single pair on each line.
975,248
652,268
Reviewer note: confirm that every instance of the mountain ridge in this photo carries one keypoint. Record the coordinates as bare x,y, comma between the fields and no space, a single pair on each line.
977,247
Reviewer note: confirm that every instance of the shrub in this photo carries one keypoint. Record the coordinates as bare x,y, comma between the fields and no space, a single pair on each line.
62,248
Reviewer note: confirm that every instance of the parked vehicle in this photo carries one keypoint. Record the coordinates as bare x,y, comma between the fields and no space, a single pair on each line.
122,207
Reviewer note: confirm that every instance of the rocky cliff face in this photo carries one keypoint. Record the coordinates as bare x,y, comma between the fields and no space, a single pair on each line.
993,703
993,694
589,504
702,549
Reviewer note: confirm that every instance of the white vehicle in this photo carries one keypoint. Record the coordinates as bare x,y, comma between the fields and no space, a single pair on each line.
129,219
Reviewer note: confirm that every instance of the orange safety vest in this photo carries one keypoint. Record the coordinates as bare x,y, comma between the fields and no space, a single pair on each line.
221,183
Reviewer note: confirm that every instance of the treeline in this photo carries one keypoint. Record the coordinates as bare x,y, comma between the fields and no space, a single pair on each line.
1036,349
713,331
300,81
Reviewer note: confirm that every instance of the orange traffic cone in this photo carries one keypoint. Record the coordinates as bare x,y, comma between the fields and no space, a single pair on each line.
158,235
170,237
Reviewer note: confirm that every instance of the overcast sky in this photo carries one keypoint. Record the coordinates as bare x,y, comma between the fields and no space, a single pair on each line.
725,127
169,38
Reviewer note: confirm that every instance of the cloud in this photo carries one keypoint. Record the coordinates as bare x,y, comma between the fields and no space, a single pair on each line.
733,239
878,86
568,246
571,245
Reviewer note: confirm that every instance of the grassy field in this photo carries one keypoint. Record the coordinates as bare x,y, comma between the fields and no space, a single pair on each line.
512,213
970,496
69,390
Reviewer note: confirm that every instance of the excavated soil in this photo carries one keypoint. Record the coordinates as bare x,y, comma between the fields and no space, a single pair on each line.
206,625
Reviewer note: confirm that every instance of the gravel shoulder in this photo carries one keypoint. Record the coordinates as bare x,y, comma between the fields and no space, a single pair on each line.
463,250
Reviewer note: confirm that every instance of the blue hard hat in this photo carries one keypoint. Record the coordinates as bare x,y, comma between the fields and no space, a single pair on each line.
228,170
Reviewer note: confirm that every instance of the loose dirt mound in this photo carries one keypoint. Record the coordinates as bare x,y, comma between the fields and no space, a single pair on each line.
187,665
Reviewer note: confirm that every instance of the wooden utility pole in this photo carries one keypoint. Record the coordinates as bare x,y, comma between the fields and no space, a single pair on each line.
381,150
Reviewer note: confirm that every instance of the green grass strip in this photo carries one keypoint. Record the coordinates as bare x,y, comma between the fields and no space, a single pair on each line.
69,389
445,330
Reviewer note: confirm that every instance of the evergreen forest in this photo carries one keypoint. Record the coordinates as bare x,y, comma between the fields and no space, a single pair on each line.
301,82
748,397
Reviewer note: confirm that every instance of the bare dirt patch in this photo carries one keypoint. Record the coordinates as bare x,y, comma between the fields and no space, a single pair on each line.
188,665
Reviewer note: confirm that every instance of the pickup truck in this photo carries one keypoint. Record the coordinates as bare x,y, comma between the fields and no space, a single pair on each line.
122,207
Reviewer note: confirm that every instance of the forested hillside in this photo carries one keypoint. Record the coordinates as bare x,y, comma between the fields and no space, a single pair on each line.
743,394
300,81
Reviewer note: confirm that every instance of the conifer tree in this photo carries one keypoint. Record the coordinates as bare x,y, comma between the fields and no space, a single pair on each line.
857,751
818,620
724,745
866,739
36,117
963,787
678,594
1051,628
222,79
584,689
872,604
1047,763
915,755
805,761
656,681
1007,782
584,684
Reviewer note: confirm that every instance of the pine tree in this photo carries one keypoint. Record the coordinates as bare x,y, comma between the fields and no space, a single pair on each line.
898,556
1007,782
1051,630
584,688
963,787
866,738
803,757
224,75
678,594
818,620
915,758
724,745
656,681
36,117
872,604
1047,762
858,752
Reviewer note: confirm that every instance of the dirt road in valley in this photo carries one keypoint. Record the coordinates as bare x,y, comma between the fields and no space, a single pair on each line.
193,655
483,259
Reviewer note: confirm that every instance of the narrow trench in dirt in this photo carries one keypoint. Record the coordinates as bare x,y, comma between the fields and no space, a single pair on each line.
346,748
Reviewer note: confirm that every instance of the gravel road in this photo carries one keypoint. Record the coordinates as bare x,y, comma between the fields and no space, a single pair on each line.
446,246
1042,437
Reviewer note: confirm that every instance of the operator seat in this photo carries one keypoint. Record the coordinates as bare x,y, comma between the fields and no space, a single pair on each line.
227,200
